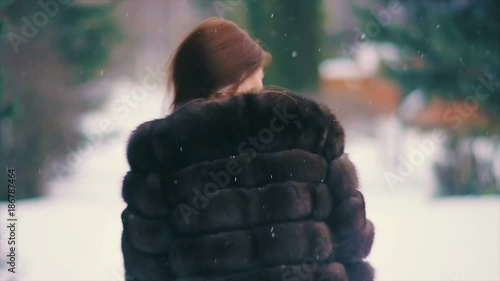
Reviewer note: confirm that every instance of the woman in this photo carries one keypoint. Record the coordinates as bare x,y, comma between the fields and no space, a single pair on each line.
240,183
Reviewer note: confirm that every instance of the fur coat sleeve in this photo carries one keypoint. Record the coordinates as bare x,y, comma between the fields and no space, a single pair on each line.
253,187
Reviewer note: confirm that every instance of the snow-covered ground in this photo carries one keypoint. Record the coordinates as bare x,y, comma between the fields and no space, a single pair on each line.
74,233
419,237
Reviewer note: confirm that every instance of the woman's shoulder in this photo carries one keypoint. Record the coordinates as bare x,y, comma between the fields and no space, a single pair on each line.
207,130
268,101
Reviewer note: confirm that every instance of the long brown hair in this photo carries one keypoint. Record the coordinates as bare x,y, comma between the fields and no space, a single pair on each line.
216,54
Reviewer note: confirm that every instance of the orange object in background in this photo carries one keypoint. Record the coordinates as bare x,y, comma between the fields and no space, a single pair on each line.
449,114
374,96
381,95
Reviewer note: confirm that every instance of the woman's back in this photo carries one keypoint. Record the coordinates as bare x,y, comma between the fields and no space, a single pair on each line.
249,187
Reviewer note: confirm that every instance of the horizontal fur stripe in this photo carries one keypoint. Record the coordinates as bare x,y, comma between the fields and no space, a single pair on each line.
349,215
312,271
207,130
245,207
342,178
144,267
227,252
144,193
147,235
263,168
152,193
360,271
357,246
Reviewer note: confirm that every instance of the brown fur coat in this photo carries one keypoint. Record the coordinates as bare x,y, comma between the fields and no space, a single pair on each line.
253,187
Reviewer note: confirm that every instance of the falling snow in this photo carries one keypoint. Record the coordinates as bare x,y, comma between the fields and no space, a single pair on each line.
439,222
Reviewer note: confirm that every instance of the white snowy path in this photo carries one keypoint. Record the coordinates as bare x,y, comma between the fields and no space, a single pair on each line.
421,238
74,234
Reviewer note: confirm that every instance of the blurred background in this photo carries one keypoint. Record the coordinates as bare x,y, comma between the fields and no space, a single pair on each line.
415,83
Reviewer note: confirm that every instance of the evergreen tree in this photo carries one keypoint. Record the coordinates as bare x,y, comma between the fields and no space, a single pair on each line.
449,49
7,107
291,31
50,50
